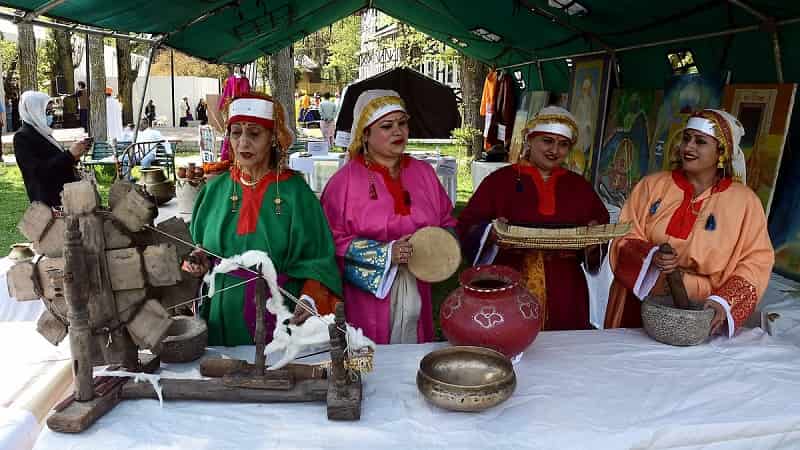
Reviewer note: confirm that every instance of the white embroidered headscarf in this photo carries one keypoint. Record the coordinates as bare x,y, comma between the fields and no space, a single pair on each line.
370,106
32,110
728,131
555,120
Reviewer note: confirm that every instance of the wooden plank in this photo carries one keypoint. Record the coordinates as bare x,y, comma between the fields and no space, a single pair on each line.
184,291
150,324
135,210
215,390
116,345
115,236
78,416
344,403
128,302
161,265
52,242
51,328
249,378
35,221
80,197
51,277
219,367
20,279
125,269
118,191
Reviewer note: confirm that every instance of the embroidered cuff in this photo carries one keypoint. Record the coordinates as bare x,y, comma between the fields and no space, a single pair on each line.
310,301
728,314
491,252
648,276
368,266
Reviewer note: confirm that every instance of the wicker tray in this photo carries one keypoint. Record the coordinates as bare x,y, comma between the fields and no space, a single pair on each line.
557,238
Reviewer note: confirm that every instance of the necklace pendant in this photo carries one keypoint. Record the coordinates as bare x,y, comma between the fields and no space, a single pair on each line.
234,200
277,202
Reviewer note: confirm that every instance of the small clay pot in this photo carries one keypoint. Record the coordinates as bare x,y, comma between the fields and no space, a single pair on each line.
181,172
198,172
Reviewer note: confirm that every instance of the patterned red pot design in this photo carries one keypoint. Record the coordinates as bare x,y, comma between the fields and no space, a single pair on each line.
491,309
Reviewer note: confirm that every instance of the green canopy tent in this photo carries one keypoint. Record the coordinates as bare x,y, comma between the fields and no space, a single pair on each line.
743,37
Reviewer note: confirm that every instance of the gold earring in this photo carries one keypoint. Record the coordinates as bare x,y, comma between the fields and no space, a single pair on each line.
721,162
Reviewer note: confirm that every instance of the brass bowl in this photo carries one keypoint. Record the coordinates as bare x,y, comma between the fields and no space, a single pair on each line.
675,326
466,378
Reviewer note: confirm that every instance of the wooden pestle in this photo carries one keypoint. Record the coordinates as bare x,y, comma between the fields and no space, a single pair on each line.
675,283
219,367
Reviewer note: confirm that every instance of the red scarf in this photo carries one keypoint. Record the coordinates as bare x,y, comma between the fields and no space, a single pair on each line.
683,219
252,199
546,190
402,200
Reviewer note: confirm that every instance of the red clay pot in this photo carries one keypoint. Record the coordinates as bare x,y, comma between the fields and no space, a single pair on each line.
491,309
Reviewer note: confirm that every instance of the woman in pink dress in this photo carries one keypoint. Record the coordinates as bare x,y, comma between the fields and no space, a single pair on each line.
373,204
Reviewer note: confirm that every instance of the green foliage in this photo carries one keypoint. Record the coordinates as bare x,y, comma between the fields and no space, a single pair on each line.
342,65
417,47
8,53
464,135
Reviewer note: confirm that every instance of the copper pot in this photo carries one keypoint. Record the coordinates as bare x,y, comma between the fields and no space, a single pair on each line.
181,172
153,175
162,192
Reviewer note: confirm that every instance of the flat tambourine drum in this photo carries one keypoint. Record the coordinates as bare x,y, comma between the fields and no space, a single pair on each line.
436,256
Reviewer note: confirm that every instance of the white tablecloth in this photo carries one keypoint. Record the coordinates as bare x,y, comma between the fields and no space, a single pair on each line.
33,378
317,169
482,169
585,389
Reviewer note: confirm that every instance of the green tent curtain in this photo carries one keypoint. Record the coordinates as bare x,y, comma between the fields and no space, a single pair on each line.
241,31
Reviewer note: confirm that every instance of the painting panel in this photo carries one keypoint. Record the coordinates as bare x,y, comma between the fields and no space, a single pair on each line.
765,112
587,102
683,95
624,157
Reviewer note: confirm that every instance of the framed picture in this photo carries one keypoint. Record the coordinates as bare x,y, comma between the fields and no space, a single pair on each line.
764,110
587,102
208,150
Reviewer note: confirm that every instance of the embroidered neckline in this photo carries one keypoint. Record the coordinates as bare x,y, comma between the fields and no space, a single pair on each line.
546,189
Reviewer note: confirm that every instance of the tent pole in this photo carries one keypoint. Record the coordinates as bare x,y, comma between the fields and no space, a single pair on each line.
657,43
30,15
77,28
541,73
769,25
776,47
150,58
172,81
761,16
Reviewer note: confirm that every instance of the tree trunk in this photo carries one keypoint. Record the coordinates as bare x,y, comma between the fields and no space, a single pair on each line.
27,58
473,74
97,89
127,77
281,81
66,67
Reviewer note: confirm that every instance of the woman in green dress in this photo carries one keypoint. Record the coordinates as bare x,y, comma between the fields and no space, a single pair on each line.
261,205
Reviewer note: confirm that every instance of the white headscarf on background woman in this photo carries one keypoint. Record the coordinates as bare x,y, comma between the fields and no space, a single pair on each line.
32,107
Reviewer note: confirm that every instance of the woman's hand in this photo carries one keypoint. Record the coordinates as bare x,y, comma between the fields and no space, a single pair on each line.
79,148
301,314
492,235
402,250
196,264
666,262
719,315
